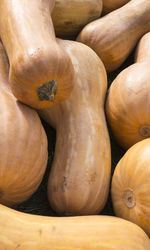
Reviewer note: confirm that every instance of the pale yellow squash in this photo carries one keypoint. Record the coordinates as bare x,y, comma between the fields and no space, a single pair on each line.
33,232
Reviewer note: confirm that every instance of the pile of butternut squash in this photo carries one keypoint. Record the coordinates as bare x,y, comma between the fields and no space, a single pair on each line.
56,59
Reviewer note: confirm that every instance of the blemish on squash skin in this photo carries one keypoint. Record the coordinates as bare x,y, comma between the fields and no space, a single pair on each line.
40,232
19,245
1,193
55,189
92,178
20,60
64,183
53,228
68,22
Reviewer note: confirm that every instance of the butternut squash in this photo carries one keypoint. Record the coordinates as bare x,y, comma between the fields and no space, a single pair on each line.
131,185
41,73
110,5
70,16
114,36
79,179
128,101
23,144
25,231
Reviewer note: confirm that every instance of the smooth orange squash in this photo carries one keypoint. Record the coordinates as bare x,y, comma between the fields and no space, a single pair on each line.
128,101
80,174
25,231
70,16
23,145
41,73
113,36
131,185
110,5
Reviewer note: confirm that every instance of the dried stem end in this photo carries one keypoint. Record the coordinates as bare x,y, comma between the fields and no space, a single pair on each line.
47,91
145,130
129,198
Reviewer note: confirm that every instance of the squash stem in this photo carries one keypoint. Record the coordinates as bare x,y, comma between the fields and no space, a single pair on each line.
47,91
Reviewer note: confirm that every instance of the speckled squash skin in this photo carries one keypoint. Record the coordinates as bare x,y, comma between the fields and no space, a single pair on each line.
128,101
70,16
25,231
23,144
114,36
80,175
131,185
41,73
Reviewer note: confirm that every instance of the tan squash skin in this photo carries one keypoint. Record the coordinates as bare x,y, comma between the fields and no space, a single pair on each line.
25,231
80,174
35,58
114,36
110,5
131,185
70,16
142,53
23,145
128,101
